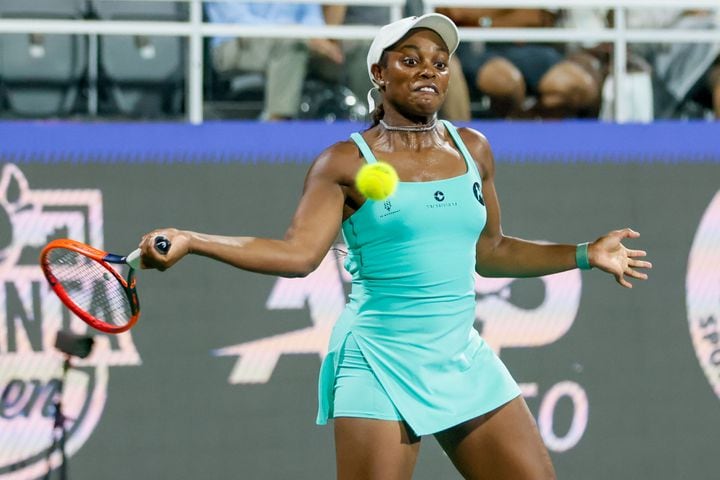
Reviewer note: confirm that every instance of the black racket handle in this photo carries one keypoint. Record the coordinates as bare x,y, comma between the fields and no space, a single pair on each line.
162,244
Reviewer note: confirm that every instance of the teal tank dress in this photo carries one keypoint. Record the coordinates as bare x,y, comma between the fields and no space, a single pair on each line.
411,309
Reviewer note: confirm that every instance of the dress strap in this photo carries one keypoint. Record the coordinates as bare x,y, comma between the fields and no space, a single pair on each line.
364,148
471,165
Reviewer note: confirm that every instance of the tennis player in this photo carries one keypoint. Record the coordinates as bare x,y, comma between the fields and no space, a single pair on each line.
404,359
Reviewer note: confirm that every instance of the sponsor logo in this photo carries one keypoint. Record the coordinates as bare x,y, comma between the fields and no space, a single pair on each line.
441,205
439,197
477,191
388,206
30,317
703,293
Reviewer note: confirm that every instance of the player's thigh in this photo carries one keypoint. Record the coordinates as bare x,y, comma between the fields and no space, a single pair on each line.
368,449
504,444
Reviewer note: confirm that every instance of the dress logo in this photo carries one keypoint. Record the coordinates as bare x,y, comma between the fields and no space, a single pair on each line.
389,208
477,191
439,197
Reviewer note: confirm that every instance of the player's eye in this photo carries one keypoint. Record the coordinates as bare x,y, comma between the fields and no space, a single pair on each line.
410,61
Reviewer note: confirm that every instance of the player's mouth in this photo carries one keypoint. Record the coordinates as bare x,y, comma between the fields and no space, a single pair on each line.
431,88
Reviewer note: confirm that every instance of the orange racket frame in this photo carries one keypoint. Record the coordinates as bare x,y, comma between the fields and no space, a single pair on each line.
104,259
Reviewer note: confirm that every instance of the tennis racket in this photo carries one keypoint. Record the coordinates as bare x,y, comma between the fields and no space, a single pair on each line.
97,286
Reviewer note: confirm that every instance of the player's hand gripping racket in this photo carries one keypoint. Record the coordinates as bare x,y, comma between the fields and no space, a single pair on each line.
87,283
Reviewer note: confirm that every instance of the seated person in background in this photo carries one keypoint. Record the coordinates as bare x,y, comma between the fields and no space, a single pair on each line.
283,61
510,74
682,72
354,72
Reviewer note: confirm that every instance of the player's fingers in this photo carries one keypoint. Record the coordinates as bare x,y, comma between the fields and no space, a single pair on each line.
621,280
640,264
629,233
636,253
149,255
635,274
625,233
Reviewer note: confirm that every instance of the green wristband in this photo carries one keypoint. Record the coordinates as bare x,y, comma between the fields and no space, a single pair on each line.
581,256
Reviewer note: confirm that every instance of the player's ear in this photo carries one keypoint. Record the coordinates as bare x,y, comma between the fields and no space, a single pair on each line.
377,73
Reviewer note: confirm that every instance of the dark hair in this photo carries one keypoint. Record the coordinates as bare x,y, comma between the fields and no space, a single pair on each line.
379,111
377,115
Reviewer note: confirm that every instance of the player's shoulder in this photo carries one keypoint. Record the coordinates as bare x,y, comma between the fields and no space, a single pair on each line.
342,149
479,148
473,139
338,160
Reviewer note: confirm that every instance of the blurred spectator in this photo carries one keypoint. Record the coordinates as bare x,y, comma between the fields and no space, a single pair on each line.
521,79
682,78
354,72
283,61
636,95
686,75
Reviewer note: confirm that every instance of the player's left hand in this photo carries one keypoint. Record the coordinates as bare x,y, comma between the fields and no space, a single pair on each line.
609,254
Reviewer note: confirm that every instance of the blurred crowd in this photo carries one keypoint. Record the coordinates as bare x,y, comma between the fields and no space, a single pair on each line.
145,76
516,80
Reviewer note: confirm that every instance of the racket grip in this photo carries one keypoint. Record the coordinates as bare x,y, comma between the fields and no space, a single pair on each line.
162,245
133,259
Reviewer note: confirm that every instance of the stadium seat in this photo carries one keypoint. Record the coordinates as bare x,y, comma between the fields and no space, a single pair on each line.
41,73
143,75
330,102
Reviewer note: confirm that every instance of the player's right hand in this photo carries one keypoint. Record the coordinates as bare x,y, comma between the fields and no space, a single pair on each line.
152,258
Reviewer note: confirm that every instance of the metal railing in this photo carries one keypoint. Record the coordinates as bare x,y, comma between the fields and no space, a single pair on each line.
195,29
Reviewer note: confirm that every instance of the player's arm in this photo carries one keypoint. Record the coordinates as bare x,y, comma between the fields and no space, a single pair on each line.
314,228
500,255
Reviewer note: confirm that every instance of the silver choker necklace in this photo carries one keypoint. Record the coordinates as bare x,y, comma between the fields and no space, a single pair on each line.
410,128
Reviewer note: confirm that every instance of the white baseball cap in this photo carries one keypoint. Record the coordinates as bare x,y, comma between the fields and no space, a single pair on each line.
391,33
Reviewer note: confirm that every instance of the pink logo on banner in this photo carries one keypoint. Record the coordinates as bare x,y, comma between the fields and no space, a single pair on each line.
703,293
30,317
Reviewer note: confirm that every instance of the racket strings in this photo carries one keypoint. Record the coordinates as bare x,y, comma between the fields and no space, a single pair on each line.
91,286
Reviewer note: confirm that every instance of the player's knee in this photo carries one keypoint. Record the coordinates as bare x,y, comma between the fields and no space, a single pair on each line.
498,78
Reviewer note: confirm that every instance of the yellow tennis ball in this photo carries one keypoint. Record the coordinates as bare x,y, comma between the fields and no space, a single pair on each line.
376,181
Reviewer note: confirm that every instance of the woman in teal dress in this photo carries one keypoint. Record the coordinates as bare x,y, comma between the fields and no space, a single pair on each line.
404,359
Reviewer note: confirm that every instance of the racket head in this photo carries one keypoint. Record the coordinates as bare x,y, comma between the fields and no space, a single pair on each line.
84,280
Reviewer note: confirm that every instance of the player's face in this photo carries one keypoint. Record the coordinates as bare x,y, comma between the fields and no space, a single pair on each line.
415,77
